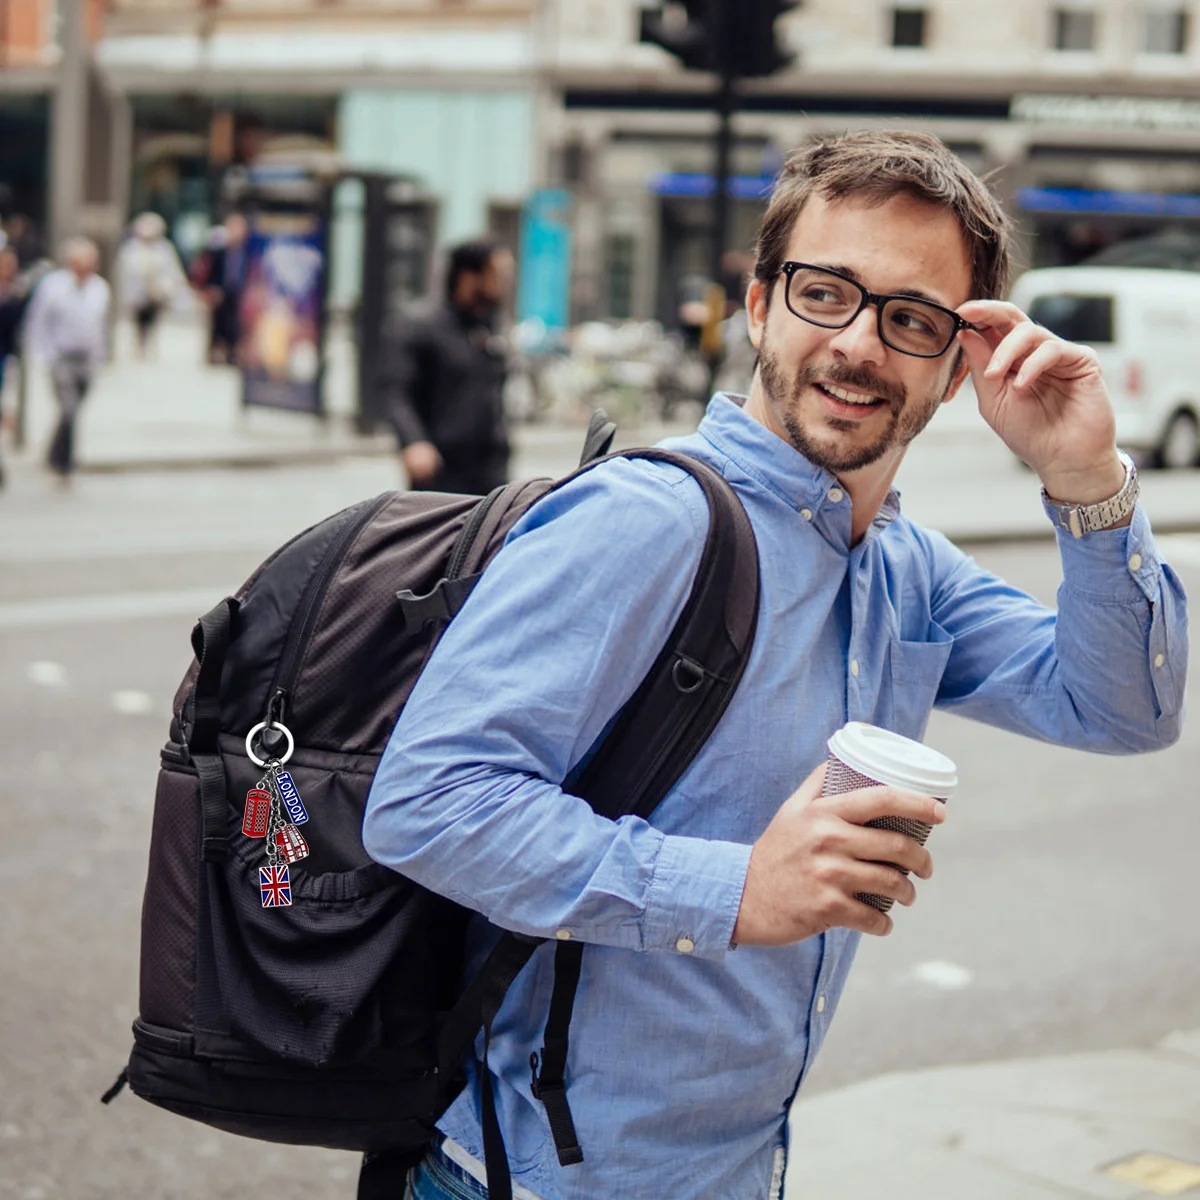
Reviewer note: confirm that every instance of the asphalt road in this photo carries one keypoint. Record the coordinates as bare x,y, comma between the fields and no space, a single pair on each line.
1061,915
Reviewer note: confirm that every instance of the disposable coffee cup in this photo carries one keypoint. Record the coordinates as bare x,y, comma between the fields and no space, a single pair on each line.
862,755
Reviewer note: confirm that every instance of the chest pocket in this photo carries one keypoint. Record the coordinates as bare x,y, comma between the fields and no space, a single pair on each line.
917,669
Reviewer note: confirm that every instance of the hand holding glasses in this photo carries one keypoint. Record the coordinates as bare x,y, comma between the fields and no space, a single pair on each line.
833,301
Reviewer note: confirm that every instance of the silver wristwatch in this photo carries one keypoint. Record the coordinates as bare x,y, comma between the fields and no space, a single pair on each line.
1084,518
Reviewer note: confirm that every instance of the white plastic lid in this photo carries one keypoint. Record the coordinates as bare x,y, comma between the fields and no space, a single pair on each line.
895,760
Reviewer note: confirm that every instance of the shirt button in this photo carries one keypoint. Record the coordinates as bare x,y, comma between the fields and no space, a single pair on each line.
1135,562
1159,659
820,1004
563,935
685,945
806,513
836,494
854,667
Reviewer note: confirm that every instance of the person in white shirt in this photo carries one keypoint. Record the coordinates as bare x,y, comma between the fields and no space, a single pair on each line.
68,327
148,276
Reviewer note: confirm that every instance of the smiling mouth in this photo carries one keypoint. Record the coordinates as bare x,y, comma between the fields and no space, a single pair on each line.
857,399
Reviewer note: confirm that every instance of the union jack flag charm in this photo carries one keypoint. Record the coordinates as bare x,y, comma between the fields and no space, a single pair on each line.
276,886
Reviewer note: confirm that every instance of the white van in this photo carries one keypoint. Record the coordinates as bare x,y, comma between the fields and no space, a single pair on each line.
1144,325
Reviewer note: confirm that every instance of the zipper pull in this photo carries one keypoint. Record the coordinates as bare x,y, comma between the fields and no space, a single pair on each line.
272,738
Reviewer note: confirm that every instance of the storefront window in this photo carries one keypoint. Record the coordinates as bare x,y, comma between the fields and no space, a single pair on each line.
1074,29
1164,31
908,27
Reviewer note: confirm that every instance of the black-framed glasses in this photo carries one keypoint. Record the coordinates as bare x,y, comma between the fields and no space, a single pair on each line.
833,301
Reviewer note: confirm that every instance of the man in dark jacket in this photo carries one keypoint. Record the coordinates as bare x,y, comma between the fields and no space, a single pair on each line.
443,378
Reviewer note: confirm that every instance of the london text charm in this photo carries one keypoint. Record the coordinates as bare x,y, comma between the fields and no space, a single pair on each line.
291,843
290,797
276,886
258,811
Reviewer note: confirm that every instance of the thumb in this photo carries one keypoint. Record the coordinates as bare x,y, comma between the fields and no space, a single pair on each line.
811,788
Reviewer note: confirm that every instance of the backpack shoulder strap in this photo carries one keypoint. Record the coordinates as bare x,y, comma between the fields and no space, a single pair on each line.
683,696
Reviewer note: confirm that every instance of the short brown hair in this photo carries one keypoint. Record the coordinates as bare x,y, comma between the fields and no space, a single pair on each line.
879,166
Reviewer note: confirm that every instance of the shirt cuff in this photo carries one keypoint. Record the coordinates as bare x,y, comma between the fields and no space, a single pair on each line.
1112,566
693,902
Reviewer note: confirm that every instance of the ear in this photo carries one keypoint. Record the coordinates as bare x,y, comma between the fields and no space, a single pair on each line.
756,309
957,376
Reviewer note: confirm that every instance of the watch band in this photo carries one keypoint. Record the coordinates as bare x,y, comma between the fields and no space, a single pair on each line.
1079,519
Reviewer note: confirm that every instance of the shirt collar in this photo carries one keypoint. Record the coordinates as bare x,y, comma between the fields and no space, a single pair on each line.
768,458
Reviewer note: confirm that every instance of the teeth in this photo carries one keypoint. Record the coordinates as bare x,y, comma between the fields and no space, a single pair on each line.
848,397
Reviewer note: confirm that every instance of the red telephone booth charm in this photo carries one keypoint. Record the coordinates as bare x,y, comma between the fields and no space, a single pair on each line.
258,811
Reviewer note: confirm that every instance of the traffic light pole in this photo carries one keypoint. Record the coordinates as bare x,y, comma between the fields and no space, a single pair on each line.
726,103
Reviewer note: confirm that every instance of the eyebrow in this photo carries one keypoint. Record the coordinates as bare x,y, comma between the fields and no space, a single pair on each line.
913,293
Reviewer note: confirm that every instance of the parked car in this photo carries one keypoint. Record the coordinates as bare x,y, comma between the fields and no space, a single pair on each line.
1144,325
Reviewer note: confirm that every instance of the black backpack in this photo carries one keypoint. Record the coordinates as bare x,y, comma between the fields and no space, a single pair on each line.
342,1019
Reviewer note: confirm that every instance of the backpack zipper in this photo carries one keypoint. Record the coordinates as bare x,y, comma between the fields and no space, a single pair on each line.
310,604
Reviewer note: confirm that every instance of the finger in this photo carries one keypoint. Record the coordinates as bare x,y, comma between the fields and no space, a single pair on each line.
869,804
882,879
1016,345
1047,356
809,790
998,315
882,845
864,918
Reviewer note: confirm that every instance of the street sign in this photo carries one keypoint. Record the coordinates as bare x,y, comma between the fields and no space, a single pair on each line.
544,282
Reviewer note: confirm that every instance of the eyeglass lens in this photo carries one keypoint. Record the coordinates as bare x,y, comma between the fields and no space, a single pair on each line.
911,326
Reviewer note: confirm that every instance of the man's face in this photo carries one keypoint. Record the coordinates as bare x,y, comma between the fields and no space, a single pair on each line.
880,398
236,229
496,280
82,262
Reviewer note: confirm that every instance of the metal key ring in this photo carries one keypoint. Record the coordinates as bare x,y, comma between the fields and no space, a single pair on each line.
262,762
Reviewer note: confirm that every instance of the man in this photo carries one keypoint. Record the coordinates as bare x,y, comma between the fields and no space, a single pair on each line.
443,379
219,274
149,276
719,934
68,327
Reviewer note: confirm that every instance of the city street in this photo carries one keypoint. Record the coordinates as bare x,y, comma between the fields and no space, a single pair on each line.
1059,918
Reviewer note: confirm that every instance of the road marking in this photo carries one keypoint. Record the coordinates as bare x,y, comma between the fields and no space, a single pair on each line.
47,674
117,606
947,976
1157,1173
131,703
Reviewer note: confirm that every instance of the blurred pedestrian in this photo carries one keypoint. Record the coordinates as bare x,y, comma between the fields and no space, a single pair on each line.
22,238
68,327
149,275
219,274
443,378
13,299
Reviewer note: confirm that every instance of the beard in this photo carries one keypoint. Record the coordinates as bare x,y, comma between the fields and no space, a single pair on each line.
905,419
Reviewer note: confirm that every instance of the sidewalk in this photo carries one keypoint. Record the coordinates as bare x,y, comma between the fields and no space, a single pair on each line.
1115,1125
177,413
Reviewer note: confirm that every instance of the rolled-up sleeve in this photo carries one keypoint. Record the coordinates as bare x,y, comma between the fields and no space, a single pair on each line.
1105,673
566,621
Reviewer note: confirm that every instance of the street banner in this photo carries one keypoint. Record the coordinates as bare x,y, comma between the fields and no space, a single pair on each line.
544,281
280,351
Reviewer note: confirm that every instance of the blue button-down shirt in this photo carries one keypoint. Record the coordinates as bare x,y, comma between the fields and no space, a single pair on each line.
685,1054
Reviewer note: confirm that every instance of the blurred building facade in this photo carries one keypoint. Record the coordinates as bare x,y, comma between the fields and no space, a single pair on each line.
1088,110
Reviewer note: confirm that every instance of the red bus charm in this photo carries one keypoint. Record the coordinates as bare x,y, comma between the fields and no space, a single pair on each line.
291,843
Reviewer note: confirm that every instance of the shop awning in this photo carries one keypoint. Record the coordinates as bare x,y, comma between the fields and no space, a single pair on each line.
1086,202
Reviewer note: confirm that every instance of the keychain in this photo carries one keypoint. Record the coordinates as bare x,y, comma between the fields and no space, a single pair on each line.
273,812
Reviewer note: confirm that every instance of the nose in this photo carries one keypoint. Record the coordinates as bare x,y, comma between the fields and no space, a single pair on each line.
859,341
